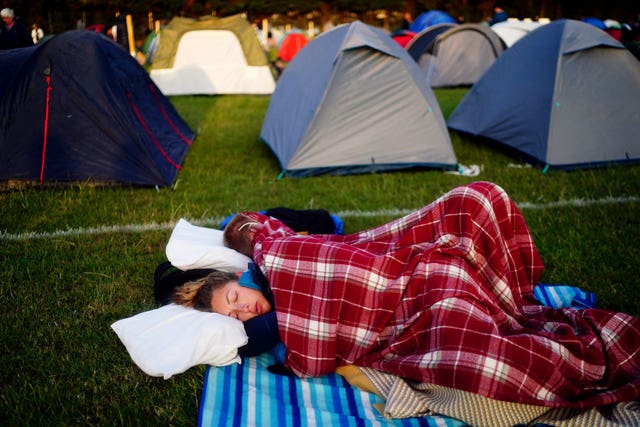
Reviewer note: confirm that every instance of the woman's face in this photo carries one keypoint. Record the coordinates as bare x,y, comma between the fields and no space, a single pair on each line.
239,301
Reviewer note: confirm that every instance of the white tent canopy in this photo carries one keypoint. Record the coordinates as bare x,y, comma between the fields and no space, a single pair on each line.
512,31
208,57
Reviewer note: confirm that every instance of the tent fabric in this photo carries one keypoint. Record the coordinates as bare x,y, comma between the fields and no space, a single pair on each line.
512,31
354,101
403,37
290,45
564,96
596,22
79,108
458,56
613,28
429,18
209,56
633,47
423,40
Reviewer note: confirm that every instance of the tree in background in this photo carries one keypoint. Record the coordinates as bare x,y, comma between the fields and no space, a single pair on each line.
56,16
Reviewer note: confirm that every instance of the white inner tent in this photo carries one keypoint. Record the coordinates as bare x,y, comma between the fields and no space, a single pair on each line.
212,62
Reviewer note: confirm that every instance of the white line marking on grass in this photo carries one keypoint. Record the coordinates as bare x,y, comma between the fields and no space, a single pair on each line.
525,205
136,228
130,228
579,203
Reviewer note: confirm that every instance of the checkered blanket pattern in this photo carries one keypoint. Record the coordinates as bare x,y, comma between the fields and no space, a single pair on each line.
444,296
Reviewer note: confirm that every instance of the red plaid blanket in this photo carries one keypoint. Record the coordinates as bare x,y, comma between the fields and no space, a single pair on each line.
444,296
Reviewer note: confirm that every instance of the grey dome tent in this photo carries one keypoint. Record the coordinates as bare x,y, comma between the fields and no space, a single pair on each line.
78,107
425,39
565,96
353,101
458,56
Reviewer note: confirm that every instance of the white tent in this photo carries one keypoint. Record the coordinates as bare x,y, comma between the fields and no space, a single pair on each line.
211,56
512,31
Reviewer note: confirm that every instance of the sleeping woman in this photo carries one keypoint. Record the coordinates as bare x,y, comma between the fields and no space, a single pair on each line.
443,295
244,296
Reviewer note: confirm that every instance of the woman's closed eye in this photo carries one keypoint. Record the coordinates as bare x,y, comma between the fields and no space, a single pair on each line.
232,298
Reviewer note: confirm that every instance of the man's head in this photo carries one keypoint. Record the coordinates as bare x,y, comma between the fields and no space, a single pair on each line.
239,234
7,15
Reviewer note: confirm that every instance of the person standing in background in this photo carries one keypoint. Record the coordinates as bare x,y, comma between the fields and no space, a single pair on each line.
407,20
37,33
499,15
13,33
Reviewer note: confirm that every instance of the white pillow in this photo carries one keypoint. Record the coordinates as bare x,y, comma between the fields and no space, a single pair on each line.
173,338
191,247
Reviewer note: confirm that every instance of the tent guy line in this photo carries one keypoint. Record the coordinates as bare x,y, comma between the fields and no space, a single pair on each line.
136,228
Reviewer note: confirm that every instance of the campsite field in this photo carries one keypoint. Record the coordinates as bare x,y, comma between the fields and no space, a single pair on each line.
75,259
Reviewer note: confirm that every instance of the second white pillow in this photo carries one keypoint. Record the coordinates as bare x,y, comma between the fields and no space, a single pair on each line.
171,339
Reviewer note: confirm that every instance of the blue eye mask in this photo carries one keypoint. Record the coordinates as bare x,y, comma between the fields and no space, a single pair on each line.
253,278
246,280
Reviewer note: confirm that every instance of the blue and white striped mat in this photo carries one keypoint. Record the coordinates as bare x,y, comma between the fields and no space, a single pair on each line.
249,395
563,296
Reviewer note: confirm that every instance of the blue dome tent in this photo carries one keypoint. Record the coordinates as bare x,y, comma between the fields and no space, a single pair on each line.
596,22
565,96
78,107
429,18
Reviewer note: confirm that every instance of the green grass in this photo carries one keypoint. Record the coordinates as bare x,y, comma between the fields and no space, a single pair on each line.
62,364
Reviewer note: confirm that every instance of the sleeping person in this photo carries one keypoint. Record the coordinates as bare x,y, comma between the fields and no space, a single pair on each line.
243,296
443,295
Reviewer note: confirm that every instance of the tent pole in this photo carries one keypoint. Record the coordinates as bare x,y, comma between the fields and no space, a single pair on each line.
132,45
310,30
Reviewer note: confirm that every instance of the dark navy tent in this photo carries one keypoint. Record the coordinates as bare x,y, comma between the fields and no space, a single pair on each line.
79,108
566,96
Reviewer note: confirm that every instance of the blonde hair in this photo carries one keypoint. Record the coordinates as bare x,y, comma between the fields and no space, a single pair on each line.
197,293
